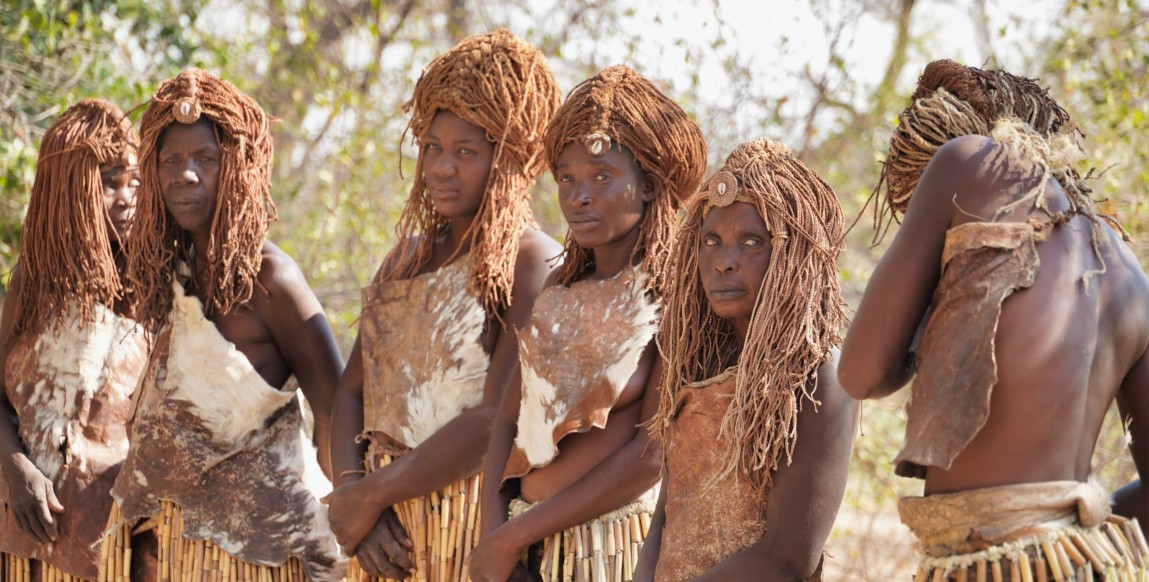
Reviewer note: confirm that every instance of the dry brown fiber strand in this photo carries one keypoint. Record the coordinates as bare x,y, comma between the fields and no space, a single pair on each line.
504,86
67,250
794,325
668,145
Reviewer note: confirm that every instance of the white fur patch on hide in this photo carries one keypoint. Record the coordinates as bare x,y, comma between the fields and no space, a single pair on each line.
582,345
74,365
233,400
423,361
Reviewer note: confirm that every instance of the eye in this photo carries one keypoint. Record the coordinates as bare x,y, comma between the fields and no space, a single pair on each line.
135,183
710,241
601,177
431,146
564,179
466,151
752,241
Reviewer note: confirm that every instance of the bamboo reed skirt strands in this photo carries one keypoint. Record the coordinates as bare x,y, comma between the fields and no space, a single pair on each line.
604,549
1114,551
17,569
444,526
184,560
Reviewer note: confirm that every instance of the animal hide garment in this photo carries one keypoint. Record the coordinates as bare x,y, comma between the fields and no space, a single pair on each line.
211,435
71,387
423,362
983,264
708,518
577,353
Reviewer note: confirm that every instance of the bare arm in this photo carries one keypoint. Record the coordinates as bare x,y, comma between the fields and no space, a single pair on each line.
619,479
302,335
805,495
456,450
32,496
652,547
876,356
347,422
1132,500
497,495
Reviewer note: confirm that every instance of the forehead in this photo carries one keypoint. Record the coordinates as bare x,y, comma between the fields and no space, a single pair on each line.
195,136
739,216
448,126
575,153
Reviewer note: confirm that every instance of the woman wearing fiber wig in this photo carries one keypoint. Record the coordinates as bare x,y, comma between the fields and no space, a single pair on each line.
756,431
437,341
71,357
567,440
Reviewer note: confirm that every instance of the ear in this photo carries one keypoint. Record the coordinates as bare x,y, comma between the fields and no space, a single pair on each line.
651,187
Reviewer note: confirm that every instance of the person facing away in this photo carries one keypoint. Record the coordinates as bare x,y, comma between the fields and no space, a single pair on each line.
756,431
436,344
217,448
1019,313
71,355
567,443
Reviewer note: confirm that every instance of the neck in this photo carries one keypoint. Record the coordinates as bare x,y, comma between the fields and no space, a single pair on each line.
200,244
458,235
610,259
741,330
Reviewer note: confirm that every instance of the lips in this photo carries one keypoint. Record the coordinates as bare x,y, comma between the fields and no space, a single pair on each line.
583,223
726,291
443,193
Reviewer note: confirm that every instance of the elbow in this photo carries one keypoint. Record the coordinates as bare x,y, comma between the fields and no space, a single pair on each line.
859,381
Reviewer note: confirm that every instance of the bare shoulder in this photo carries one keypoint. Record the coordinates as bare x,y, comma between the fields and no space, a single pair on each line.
537,248
278,271
829,391
397,252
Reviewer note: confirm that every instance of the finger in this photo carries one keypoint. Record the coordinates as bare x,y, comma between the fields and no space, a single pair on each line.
54,504
383,566
47,520
397,553
400,533
33,526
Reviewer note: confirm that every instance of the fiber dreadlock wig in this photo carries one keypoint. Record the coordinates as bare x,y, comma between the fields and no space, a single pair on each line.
620,106
797,318
504,86
243,199
67,253
952,100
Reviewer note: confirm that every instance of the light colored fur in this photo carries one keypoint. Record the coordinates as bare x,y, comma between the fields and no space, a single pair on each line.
74,363
541,410
207,372
450,389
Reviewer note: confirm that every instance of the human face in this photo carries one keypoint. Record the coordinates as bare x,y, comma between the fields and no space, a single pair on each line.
456,162
120,180
733,256
189,166
603,198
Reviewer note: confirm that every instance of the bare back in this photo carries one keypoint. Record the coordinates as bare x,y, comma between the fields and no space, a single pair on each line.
1062,348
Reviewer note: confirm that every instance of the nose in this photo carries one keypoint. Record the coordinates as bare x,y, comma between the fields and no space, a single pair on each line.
726,260
579,196
188,174
440,166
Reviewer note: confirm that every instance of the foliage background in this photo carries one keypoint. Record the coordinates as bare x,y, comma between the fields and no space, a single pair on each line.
337,73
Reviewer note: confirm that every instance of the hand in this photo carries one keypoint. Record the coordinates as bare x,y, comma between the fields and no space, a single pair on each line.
385,552
33,499
496,559
350,520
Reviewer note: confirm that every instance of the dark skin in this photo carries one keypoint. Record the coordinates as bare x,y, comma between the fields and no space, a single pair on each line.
733,260
33,499
282,329
603,198
457,162
1063,354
